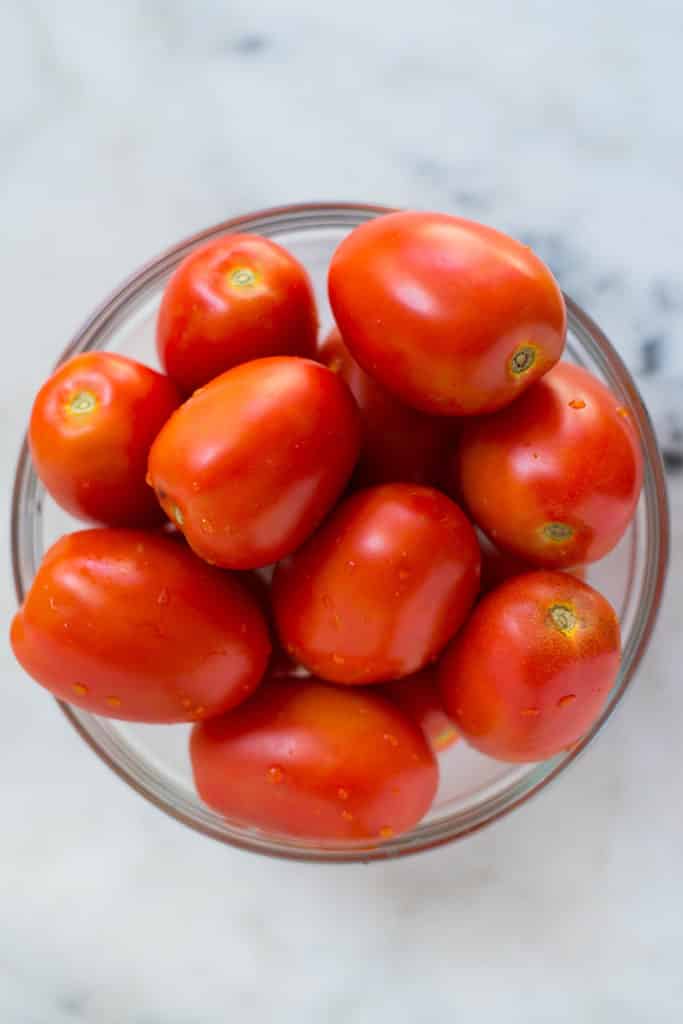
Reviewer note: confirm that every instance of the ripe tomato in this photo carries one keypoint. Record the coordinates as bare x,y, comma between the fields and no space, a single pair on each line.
381,588
91,429
419,697
498,566
532,669
399,443
234,299
451,316
314,761
131,625
251,463
555,478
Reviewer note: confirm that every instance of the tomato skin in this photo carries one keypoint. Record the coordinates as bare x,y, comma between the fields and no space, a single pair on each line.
379,590
419,697
400,444
209,321
554,479
310,760
92,425
523,687
498,566
131,625
436,307
254,460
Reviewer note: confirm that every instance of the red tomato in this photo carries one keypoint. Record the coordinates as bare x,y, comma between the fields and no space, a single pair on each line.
399,443
91,429
381,588
251,463
451,316
314,761
234,299
532,669
132,625
418,696
554,479
498,566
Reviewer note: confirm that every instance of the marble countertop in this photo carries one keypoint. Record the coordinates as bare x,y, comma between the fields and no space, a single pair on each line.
124,127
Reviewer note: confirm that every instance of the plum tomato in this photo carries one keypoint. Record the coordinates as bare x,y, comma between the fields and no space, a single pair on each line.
532,668
451,316
131,625
400,444
314,761
92,425
379,590
555,478
234,299
419,697
249,466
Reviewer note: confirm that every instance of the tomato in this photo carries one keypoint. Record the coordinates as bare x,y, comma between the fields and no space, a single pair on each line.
236,298
399,443
91,429
418,696
381,588
451,316
131,625
532,669
251,463
313,761
554,479
498,566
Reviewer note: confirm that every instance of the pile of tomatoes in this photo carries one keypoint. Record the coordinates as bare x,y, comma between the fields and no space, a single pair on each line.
337,556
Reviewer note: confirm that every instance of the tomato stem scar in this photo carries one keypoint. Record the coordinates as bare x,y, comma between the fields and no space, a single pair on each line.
82,402
522,359
243,277
563,618
557,532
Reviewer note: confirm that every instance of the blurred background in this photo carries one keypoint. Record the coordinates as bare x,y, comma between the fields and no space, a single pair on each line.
124,127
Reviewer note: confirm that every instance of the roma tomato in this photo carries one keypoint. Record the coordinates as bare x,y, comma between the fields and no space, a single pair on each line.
554,479
131,625
249,465
451,316
419,697
498,566
379,590
399,443
532,669
313,761
234,299
91,429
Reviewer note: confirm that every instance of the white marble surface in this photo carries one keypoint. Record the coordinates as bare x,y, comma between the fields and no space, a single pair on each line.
124,126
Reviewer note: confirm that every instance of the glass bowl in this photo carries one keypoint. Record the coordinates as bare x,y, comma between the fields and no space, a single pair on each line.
474,790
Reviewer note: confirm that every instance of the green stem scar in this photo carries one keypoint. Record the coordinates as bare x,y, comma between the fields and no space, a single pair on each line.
557,532
523,358
82,402
243,277
563,618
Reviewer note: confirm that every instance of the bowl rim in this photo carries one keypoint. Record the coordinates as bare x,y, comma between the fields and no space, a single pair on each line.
432,834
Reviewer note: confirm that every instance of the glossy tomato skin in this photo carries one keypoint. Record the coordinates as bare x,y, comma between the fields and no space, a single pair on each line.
400,444
251,463
419,697
379,590
236,298
309,760
92,425
555,478
131,625
451,316
531,670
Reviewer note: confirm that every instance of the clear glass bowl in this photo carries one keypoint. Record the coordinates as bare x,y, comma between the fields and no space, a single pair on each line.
474,790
